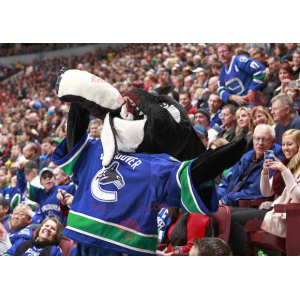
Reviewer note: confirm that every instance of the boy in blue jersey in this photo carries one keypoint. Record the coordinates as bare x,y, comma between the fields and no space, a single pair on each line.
240,78
46,198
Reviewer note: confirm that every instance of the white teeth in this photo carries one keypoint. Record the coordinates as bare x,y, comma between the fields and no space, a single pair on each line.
141,113
145,116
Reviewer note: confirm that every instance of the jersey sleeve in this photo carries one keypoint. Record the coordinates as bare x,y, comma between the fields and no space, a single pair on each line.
25,233
21,180
179,190
254,68
67,161
222,89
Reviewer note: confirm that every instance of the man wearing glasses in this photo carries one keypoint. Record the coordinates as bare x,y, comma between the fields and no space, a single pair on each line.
243,179
240,78
284,115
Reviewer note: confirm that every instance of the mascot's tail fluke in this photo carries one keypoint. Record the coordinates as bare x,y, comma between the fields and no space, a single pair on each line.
213,162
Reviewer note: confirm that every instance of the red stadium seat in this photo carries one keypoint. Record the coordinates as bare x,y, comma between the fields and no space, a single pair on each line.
222,222
291,245
66,245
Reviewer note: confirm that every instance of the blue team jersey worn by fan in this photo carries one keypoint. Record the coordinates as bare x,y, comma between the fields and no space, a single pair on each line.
242,75
13,194
48,202
20,234
32,251
115,208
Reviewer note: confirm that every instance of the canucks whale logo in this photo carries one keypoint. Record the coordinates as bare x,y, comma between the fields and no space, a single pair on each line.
109,178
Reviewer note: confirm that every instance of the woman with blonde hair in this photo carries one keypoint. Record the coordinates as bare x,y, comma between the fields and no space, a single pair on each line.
283,183
243,117
260,115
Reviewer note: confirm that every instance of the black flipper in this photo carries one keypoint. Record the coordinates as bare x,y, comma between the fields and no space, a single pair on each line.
78,123
213,162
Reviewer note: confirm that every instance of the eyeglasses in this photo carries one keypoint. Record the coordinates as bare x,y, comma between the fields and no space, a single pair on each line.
263,140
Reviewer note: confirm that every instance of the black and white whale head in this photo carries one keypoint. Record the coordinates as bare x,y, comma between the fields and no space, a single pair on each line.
134,122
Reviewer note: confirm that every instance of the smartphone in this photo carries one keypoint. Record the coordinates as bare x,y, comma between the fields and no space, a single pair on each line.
269,154
293,84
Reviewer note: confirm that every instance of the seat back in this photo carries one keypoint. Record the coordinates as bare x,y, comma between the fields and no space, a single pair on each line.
222,222
66,245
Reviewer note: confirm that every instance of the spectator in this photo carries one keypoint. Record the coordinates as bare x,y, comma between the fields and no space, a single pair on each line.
260,56
273,81
260,115
285,75
239,77
214,108
94,129
242,181
281,50
164,86
5,211
61,178
48,236
212,88
54,142
294,93
284,115
283,185
228,123
202,134
9,192
20,220
186,102
5,243
243,116
46,197
210,246
296,64
46,152
292,48
15,156
30,152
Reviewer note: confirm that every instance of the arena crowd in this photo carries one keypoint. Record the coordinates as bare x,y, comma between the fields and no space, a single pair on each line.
229,91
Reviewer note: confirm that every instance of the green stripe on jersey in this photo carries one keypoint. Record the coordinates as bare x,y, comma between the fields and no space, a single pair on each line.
188,198
15,200
68,168
31,192
112,233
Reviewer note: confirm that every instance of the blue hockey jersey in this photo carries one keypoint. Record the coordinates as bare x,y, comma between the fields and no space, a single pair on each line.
48,202
32,251
20,234
116,208
242,75
13,194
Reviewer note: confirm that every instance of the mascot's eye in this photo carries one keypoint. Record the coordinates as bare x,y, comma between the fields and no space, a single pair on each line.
164,105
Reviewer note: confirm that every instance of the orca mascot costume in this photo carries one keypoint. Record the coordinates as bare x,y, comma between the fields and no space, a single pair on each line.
149,157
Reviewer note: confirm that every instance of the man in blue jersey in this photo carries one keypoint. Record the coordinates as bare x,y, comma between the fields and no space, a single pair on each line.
240,78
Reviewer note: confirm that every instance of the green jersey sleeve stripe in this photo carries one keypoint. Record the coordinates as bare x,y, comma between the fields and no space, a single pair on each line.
188,198
68,166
